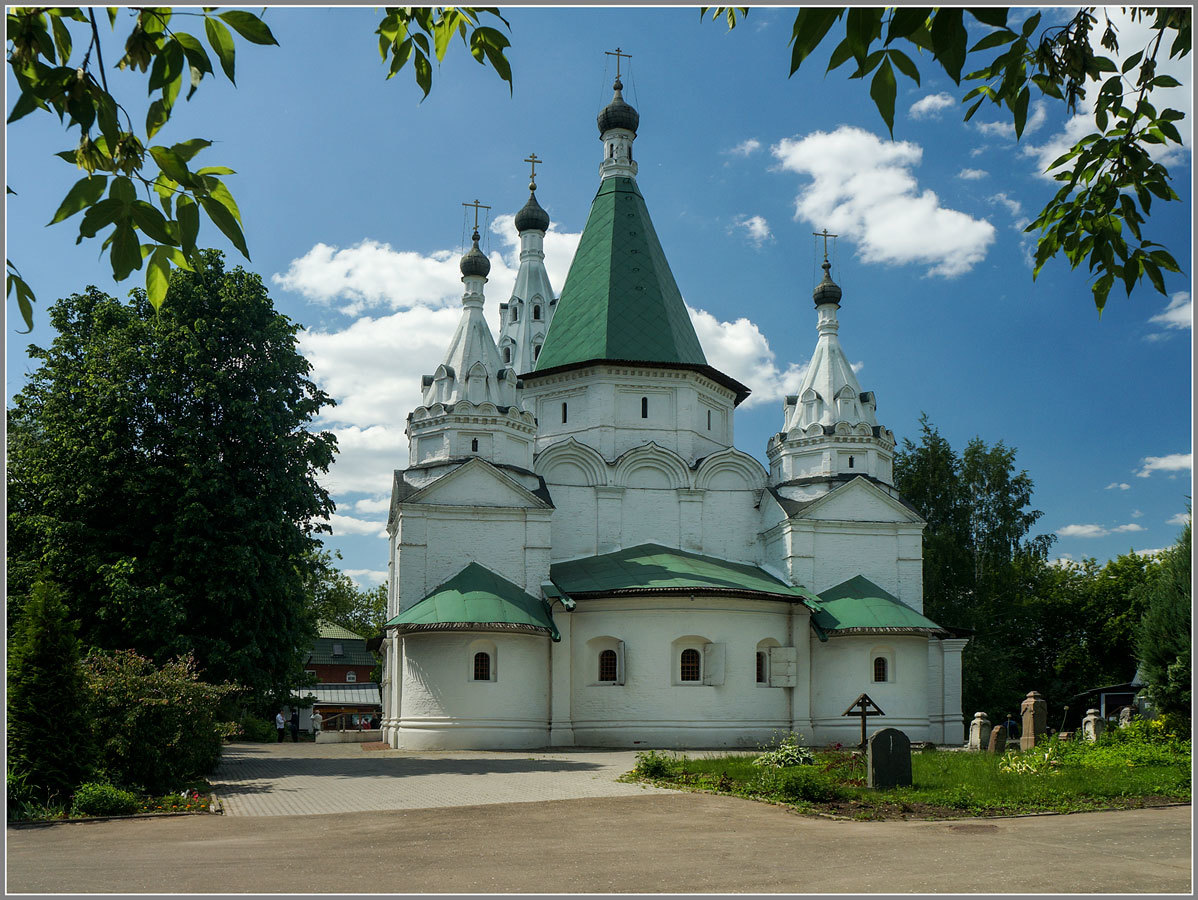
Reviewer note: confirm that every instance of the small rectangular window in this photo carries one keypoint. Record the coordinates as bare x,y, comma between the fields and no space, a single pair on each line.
563,414
644,407
337,650
709,420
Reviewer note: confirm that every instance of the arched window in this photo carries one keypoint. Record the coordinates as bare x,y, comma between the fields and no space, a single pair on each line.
536,313
351,675
644,407
515,317
474,445
563,414
880,668
482,666
607,665
690,664
850,462
536,352
507,354
762,677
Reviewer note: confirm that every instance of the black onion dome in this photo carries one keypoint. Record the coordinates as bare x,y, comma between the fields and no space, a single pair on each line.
618,114
827,291
532,217
475,261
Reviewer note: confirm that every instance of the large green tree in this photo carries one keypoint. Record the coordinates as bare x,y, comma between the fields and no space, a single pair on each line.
1163,637
162,466
335,597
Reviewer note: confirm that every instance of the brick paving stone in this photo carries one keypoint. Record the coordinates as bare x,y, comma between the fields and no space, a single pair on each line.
311,779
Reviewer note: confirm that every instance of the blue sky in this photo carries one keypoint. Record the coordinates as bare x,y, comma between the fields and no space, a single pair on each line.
351,190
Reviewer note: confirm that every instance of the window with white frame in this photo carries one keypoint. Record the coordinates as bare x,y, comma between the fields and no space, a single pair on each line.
351,675
482,666
881,665
690,665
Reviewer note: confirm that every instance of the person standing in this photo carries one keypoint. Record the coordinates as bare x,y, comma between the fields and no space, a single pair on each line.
294,726
279,725
317,721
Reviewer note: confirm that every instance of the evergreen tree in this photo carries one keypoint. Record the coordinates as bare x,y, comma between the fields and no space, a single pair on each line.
48,729
1163,640
162,466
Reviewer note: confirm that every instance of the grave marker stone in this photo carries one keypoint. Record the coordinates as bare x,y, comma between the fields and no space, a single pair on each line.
1093,725
998,740
1034,711
979,730
1125,716
889,759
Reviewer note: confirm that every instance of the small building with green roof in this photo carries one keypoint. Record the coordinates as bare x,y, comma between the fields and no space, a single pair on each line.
581,556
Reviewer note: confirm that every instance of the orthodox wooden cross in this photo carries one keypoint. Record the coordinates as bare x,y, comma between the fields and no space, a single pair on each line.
534,159
824,234
617,54
863,707
477,206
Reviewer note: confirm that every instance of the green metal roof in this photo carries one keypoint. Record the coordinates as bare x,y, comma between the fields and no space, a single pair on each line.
353,652
477,599
652,568
859,605
620,300
329,630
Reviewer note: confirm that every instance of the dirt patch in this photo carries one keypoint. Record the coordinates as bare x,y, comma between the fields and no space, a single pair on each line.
375,745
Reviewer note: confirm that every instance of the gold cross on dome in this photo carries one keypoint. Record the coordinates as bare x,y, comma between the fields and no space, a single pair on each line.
617,54
477,206
534,159
824,234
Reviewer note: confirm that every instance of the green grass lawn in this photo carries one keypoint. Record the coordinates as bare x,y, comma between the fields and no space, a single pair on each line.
1111,774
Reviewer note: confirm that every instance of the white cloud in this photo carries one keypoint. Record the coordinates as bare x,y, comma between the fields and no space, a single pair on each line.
863,186
373,505
1178,314
972,174
1006,129
1137,513
350,525
1120,485
1156,552
1096,531
740,349
1013,206
1179,519
367,578
757,229
1174,462
744,148
931,106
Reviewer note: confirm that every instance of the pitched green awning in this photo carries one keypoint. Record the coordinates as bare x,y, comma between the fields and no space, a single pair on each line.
652,568
620,300
476,599
858,606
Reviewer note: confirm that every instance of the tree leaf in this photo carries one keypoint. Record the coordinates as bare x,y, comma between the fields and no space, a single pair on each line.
196,54
158,276
950,41
904,64
842,54
994,39
151,221
188,216
86,192
224,220
222,42
905,20
250,27
994,16
187,149
126,250
811,26
1020,111
172,164
156,117
62,38
883,90
424,72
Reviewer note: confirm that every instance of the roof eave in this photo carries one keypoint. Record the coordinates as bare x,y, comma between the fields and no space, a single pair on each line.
727,381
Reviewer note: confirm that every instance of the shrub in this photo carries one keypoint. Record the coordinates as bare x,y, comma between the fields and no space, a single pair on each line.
94,799
799,784
155,727
1041,761
253,728
785,751
654,764
46,699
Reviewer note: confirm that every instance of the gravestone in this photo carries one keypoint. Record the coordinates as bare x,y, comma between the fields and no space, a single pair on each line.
1125,716
998,740
1034,711
1065,736
1093,725
979,730
889,759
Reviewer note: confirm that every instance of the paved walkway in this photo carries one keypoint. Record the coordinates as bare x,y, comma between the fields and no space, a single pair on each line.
309,779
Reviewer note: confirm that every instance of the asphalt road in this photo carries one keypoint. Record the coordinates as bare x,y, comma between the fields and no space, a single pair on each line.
652,843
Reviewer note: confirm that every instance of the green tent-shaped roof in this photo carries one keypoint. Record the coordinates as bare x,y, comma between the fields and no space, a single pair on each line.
860,606
620,300
476,599
652,568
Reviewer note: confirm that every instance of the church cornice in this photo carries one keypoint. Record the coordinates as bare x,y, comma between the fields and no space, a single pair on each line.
640,369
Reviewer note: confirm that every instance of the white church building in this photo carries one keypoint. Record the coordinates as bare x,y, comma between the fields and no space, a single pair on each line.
579,556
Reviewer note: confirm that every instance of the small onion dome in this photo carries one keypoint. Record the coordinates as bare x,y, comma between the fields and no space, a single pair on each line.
475,262
618,114
827,291
532,217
